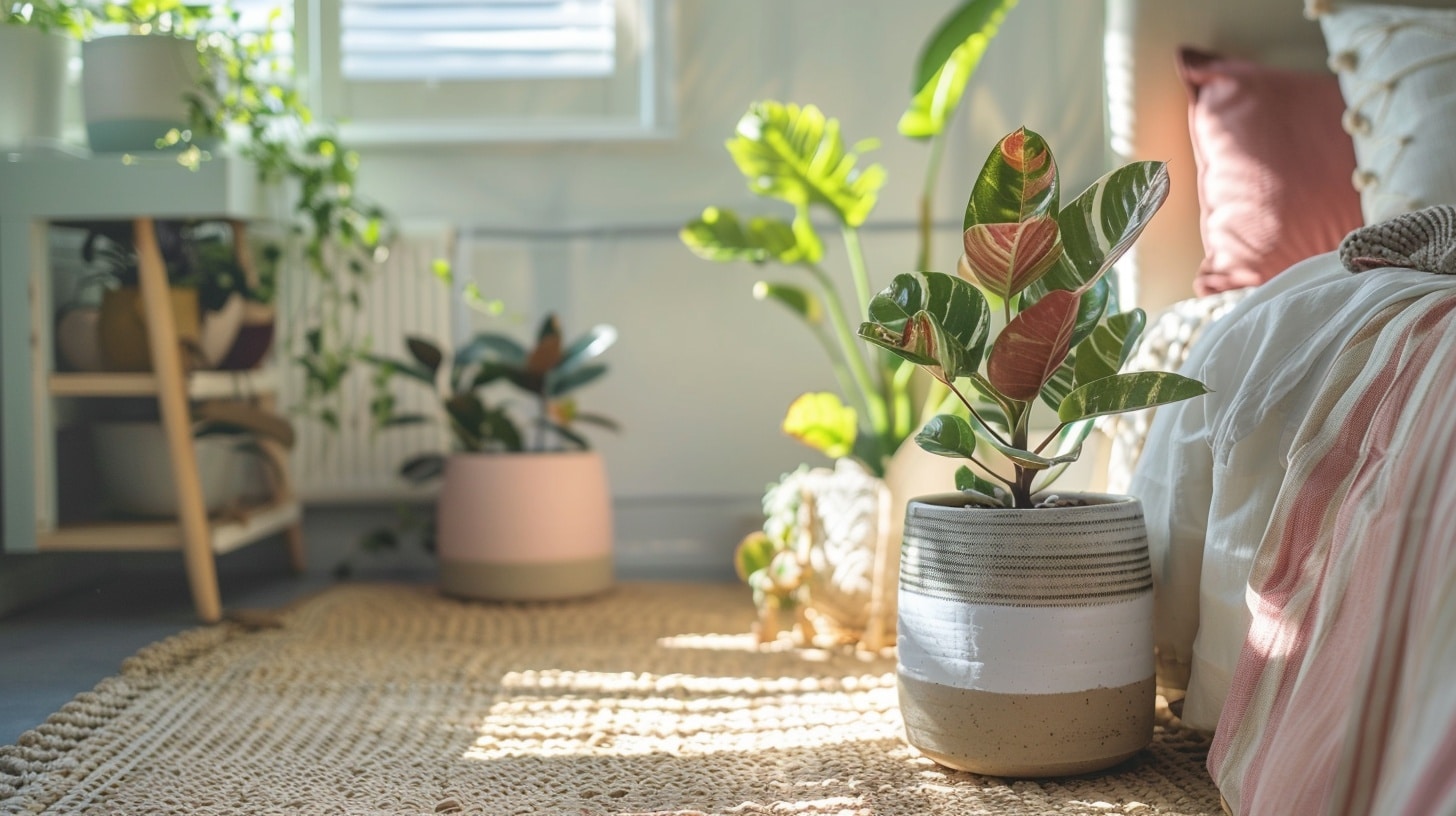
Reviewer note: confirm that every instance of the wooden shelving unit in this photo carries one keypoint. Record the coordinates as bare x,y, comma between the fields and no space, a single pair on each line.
39,192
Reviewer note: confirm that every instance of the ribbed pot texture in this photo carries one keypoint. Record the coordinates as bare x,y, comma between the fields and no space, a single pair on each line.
1025,636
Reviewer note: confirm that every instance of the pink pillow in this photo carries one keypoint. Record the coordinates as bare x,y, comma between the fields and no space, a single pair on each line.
1274,167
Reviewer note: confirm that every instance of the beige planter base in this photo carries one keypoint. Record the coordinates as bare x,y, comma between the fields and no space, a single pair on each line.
1053,734
542,581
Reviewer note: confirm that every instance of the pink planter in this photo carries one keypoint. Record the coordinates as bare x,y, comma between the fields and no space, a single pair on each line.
524,526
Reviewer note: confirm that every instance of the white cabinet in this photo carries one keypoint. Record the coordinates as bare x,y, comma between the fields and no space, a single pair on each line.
36,193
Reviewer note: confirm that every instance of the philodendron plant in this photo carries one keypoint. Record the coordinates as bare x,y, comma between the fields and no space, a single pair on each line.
549,372
1041,268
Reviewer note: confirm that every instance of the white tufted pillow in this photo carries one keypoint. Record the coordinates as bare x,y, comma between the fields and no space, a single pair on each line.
1397,70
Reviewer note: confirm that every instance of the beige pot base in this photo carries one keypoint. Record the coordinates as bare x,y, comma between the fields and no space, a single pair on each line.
1027,735
542,581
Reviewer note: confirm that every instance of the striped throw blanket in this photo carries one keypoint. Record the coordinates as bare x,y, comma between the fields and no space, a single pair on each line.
1342,700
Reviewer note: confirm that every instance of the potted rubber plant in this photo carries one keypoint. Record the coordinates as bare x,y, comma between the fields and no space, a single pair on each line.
1025,618
799,156
524,510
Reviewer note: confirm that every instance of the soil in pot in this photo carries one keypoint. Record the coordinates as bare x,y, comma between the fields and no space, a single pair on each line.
1025,636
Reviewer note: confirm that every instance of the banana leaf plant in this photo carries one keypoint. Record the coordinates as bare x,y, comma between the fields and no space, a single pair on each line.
1042,266
549,372
797,155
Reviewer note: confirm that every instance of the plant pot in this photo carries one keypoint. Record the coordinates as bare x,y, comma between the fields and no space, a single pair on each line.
33,63
219,330
123,327
135,468
524,526
1025,636
254,340
78,339
134,89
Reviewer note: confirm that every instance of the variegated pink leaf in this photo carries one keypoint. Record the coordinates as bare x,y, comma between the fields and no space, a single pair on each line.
1033,345
1006,258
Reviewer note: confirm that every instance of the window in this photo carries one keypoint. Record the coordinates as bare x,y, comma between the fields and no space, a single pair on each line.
411,71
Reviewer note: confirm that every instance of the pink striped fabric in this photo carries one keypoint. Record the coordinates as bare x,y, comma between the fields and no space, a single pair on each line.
1342,701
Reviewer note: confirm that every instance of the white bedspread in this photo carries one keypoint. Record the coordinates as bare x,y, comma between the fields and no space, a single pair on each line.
1213,467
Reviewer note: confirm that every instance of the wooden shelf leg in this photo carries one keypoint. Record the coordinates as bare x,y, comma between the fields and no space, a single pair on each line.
177,423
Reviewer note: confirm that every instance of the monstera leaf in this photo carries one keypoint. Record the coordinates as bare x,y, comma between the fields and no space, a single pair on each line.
798,155
719,235
946,64
1018,181
824,423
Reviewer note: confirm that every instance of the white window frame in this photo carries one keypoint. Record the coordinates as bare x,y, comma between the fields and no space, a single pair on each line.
635,103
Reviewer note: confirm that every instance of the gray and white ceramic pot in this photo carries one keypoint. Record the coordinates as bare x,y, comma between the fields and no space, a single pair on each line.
1025,637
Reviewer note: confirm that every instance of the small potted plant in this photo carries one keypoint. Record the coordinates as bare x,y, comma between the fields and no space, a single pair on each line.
1025,618
35,42
524,511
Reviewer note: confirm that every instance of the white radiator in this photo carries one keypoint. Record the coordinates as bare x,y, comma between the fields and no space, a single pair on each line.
360,463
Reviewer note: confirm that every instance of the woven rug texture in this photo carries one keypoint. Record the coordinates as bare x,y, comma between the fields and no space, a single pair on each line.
650,699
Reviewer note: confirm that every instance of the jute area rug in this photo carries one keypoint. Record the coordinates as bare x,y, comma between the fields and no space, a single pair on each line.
647,700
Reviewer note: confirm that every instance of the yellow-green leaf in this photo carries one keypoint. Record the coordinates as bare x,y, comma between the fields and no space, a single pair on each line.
824,423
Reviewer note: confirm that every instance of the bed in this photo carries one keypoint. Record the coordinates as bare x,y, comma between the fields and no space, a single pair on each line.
1303,516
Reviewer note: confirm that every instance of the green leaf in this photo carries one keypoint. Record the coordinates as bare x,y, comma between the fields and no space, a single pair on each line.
1018,181
797,155
379,540
894,304
599,420
1127,392
500,428
824,423
569,435
967,480
428,354
754,553
504,348
1062,382
961,312
947,61
947,435
558,384
422,468
397,420
409,369
1032,346
800,301
1104,221
587,347
905,344
467,419
1109,346
719,235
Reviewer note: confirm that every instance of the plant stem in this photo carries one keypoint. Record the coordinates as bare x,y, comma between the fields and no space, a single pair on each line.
927,200
857,269
977,415
870,397
1050,437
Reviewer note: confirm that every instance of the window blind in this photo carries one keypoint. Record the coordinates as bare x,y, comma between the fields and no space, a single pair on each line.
444,40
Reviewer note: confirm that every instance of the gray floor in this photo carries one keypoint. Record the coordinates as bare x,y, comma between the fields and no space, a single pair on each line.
65,645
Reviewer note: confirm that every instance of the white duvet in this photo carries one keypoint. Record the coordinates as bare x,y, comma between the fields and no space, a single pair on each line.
1212,467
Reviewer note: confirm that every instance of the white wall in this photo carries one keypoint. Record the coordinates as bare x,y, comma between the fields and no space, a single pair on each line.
703,373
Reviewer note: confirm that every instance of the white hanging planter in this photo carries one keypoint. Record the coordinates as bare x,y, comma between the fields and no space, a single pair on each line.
33,90
1025,637
524,526
134,89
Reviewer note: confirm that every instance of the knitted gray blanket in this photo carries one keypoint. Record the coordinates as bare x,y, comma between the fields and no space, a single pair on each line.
1424,240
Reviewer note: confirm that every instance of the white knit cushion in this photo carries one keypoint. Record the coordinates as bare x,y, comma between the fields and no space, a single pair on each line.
1397,70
